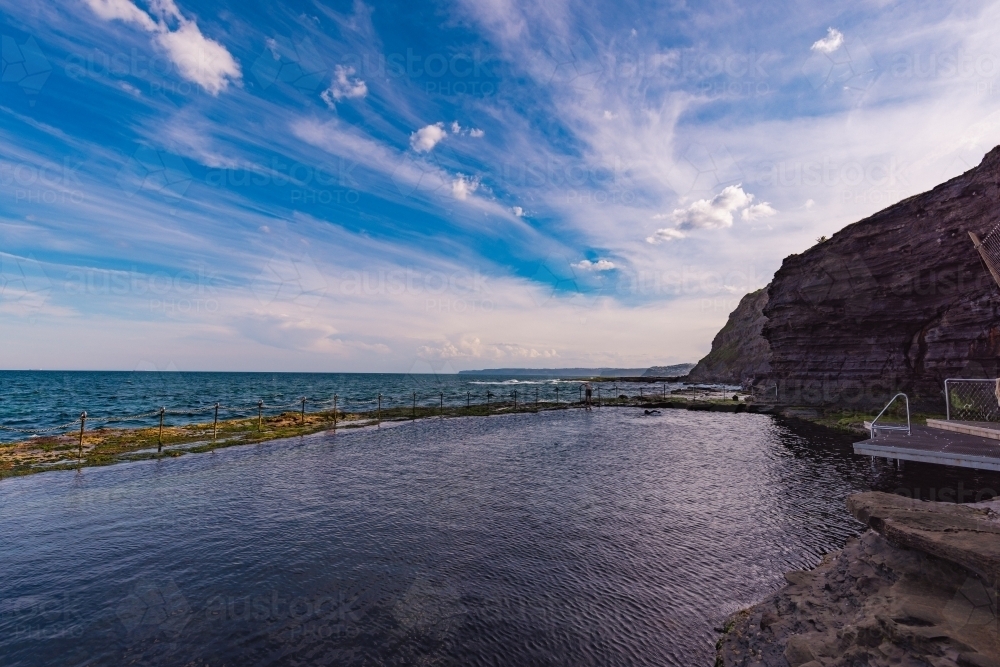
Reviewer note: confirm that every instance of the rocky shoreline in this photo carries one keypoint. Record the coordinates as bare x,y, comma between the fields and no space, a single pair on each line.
918,588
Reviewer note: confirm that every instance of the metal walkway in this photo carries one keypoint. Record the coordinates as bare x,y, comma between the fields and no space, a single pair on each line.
936,445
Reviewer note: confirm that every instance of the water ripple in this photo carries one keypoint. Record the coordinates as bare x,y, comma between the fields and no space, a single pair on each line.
564,538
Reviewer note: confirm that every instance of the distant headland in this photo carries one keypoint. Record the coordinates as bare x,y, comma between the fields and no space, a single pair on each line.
654,371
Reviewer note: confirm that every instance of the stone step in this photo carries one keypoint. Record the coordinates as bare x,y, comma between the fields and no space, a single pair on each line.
989,430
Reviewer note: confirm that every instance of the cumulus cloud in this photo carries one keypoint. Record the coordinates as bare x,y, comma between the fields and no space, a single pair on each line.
462,186
426,138
518,211
757,211
599,265
456,128
344,86
714,213
198,58
834,40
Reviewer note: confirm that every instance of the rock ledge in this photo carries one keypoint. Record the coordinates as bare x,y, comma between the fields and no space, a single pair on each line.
919,588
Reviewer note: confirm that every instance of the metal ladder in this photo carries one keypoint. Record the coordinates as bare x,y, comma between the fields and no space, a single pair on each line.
874,428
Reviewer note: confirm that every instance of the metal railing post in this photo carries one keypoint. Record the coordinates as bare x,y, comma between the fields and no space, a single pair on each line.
159,438
378,416
335,411
947,401
414,405
515,400
260,415
215,424
303,410
83,422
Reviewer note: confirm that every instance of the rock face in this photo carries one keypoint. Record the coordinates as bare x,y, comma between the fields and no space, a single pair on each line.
920,588
896,302
739,352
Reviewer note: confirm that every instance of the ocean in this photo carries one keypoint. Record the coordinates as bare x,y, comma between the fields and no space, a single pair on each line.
47,399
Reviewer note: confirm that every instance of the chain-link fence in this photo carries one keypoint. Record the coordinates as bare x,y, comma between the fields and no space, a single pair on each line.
973,399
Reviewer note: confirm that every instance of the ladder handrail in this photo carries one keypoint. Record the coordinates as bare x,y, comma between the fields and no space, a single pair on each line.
873,428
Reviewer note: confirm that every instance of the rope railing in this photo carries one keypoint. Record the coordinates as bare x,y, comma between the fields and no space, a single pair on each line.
343,405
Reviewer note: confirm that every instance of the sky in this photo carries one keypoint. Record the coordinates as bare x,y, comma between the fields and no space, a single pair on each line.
449,185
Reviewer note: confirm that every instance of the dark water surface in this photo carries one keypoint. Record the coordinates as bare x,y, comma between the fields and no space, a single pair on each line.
560,538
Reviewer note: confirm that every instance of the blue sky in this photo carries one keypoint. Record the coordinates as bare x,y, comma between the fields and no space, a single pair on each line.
381,187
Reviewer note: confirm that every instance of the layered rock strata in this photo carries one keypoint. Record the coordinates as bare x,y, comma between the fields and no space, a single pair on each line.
896,302
739,352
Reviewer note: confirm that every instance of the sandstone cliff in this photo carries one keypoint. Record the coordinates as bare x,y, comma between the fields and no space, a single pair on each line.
920,588
896,302
738,351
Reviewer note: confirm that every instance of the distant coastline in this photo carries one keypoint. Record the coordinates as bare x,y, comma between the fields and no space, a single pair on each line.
659,371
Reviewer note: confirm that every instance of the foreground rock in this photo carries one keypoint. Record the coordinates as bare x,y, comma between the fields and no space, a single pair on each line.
920,588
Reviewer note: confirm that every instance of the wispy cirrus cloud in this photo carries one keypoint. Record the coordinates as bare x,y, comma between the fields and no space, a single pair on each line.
596,134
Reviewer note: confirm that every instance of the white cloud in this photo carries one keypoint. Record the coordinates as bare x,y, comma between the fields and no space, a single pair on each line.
714,213
473,348
474,132
665,234
198,58
462,187
609,116
426,138
834,40
129,88
757,211
123,10
344,86
518,211
599,265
